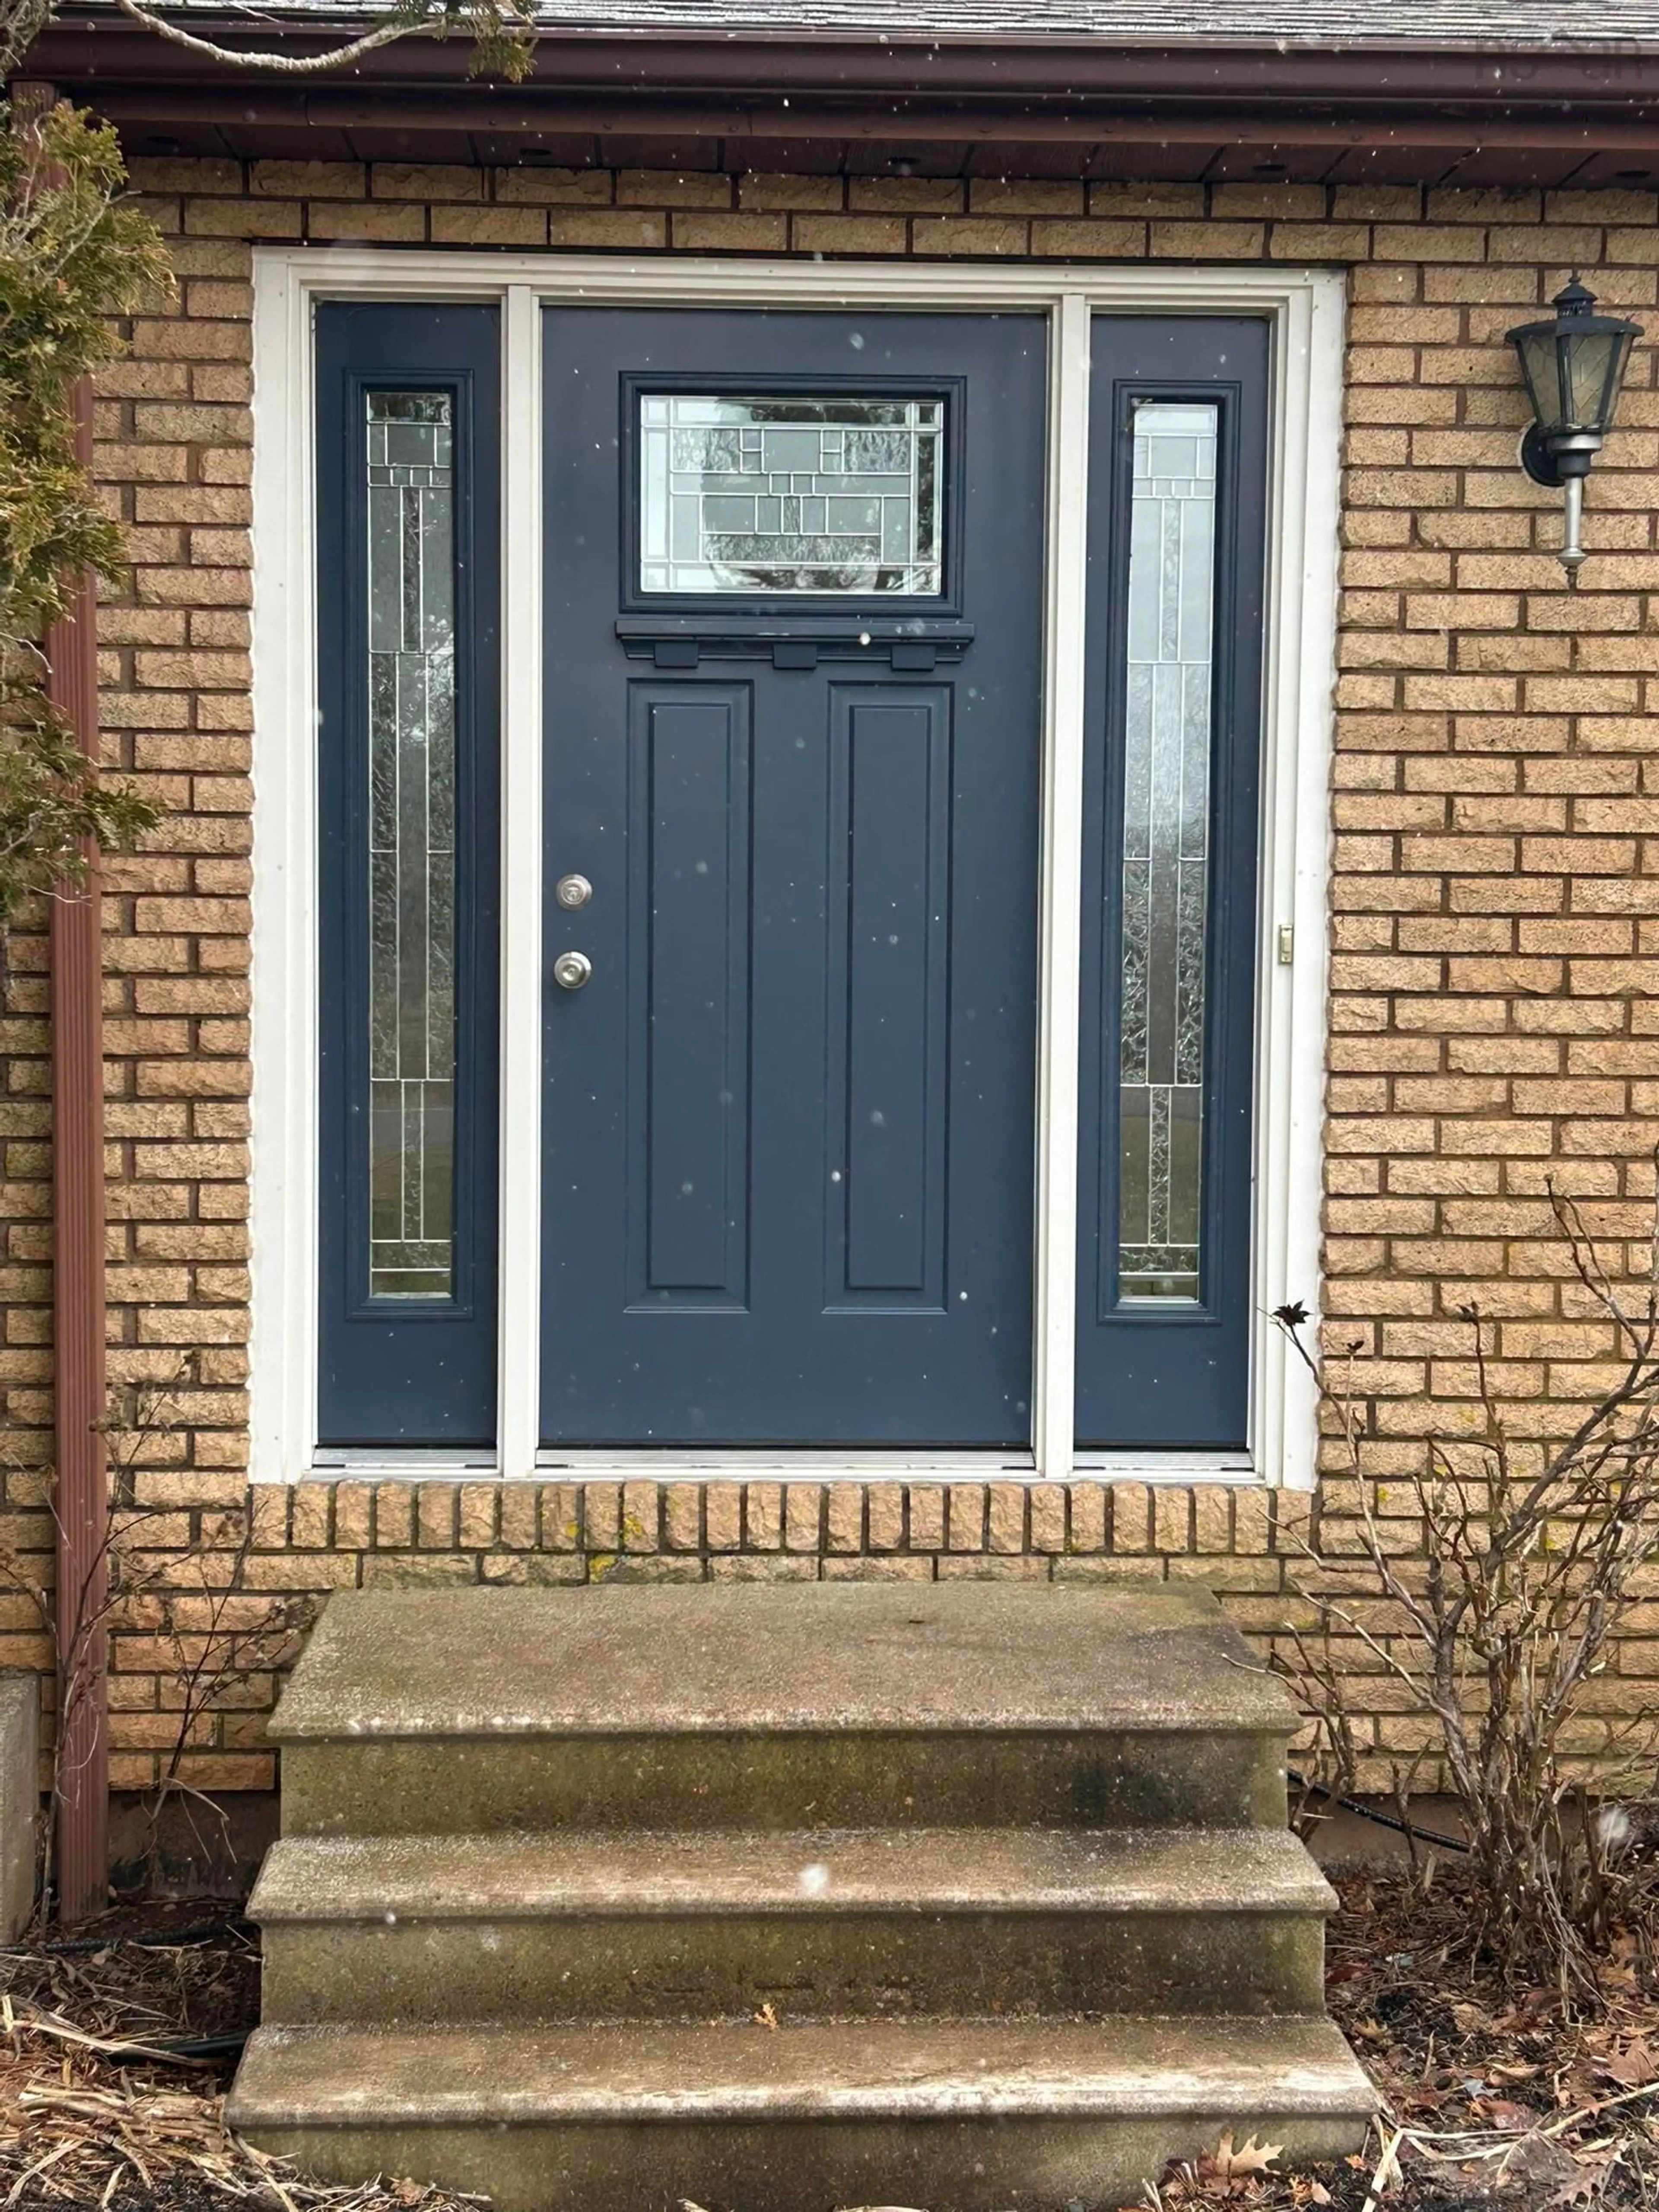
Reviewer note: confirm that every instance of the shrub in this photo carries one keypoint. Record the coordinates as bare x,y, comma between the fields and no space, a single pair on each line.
1499,1620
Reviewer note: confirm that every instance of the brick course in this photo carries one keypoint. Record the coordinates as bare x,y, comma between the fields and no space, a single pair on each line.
1494,912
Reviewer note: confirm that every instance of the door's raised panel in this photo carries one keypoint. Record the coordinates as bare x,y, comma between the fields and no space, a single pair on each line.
887,972
690,874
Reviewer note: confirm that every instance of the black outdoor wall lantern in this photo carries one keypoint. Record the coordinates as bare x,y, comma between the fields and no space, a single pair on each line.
1573,365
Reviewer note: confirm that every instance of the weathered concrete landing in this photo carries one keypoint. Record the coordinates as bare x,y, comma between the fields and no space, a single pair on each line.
1006,1862
633,1660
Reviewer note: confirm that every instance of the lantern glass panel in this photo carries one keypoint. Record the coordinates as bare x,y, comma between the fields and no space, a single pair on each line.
1540,367
1594,362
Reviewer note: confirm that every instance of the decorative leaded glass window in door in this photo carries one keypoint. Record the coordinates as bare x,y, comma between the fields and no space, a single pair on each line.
798,495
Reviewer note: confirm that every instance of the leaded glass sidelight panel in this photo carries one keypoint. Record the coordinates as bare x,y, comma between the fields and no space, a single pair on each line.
411,843
1169,1297
408,605
1166,857
836,497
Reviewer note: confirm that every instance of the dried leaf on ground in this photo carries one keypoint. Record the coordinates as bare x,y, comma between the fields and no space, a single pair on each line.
1632,2068
1503,2113
1229,2164
1587,2179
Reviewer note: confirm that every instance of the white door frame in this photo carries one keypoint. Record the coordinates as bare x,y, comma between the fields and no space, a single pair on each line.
1305,307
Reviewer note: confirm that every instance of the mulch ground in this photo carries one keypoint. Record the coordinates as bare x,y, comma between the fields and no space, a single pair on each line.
116,2050
1486,2101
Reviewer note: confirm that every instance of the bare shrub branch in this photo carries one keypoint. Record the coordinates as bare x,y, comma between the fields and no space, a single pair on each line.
236,1639
1501,1617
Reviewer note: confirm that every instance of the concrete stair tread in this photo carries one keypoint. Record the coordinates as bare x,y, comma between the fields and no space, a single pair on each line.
917,1871
974,1658
492,2076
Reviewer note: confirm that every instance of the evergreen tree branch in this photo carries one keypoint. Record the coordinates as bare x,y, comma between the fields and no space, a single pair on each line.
73,255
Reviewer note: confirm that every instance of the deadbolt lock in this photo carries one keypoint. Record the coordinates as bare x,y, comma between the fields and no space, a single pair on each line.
573,891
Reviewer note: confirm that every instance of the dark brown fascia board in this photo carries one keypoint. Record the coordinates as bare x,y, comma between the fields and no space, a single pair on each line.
512,112
81,48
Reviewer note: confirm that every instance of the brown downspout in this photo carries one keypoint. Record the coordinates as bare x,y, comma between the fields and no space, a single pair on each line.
78,1301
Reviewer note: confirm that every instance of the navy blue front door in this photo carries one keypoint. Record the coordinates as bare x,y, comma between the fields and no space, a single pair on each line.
792,640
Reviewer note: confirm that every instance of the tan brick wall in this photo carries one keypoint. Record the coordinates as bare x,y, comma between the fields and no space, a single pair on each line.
1495,924
321,1537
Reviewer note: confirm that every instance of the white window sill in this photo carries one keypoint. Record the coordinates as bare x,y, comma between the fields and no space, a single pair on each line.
1169,1470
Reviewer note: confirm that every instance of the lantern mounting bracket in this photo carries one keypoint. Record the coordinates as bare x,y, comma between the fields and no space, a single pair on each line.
1539,461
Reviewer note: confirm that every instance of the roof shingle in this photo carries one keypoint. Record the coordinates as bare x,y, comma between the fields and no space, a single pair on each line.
1585,26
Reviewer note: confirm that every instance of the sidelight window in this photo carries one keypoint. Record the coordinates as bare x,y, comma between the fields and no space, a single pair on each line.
1167,1112
411,843
1166,837
408,786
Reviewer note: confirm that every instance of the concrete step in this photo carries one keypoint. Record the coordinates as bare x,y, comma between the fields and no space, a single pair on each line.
732,1705
961,2116
574,1926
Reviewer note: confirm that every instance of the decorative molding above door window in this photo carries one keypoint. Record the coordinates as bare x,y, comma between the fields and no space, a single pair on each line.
1303,310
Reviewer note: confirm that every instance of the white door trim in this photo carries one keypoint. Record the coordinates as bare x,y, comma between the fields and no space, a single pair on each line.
1305,306
1053,1364
518,1304
283,1214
